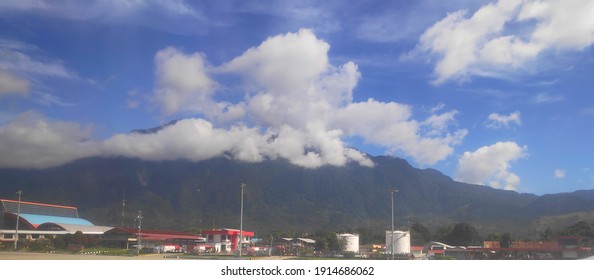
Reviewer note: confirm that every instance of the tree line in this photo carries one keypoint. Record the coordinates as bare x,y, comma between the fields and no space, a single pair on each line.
458,234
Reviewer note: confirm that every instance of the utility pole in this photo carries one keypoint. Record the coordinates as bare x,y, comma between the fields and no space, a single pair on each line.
139,232
16,237
270,248
392,191
123,207
241,220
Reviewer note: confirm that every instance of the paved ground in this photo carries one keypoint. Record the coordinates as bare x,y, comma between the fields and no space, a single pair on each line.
56,256
45,256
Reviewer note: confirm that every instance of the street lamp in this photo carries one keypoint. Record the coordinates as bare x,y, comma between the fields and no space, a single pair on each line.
139,232
241,220
16,238
392,191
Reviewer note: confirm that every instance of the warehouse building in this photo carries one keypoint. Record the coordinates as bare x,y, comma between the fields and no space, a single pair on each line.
157,241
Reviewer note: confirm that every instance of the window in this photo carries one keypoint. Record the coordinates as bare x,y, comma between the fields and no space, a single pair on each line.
8,236
35,236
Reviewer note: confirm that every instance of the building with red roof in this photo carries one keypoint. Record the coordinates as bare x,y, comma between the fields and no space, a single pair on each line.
226,240
155,240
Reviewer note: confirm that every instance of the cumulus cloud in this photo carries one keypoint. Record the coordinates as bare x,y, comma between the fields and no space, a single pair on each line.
295,106
559,173
391,125
504,121
488,42
11,84
490,165
182,82
31,141
193,139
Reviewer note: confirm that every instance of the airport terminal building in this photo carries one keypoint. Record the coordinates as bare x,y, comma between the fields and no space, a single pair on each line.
40,220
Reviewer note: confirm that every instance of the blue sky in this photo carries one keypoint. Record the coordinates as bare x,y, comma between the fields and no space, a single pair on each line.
488,92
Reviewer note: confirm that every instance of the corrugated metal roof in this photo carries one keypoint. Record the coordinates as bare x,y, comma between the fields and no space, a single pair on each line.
155,234
37,220
70,228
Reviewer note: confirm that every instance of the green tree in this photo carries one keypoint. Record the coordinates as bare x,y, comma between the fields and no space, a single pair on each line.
327,242
442,234
464,234
493,237
419,234
41,245
365,235
59,242
348,255
321,245
547,235
580,228
78,238
505,241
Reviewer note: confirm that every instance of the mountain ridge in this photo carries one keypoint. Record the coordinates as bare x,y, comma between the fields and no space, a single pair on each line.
180,194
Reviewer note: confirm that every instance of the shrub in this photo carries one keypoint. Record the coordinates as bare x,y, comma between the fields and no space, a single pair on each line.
40,245
349,255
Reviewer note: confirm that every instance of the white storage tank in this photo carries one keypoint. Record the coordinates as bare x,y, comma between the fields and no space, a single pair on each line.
401,242
351,242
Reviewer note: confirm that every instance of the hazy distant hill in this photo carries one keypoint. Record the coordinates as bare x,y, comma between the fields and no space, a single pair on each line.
182,195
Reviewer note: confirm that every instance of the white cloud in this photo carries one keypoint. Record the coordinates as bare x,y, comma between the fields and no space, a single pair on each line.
547,98
23,69
289,62
559,173
19,57
197,139
504,121
183,82
562,25
31,141
11,84
106,10
23,4
439,123
491,165
391,125
192,139
296,106
488,42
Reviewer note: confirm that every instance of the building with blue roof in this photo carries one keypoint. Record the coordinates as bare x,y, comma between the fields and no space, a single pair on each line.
38,220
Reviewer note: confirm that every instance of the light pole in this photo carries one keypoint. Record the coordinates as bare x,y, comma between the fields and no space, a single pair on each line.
270,248
392,191
139,232
241,220
16,238
123,207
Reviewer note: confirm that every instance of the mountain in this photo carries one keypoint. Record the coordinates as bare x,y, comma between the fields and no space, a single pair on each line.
281,196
